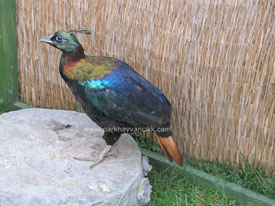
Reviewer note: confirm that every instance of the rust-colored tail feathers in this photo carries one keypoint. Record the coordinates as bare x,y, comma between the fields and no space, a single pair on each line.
169,147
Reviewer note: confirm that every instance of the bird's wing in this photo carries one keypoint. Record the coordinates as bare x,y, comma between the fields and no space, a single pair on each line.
123,95
126,98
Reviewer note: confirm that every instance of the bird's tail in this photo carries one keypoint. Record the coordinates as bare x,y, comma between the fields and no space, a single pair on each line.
169,147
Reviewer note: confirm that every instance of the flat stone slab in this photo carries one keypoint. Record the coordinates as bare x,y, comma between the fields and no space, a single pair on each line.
37,165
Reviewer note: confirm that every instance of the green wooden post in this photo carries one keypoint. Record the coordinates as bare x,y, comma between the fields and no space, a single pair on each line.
8,55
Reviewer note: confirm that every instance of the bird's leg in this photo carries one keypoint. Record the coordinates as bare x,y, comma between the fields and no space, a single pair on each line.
113,151
109,150
103,154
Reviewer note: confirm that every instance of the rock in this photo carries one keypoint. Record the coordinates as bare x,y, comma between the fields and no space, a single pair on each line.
37,165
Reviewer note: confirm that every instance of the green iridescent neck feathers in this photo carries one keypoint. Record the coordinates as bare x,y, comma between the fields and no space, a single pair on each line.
88,68
75,64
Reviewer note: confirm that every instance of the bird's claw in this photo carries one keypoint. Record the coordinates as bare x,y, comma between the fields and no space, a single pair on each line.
106,152
96,147
103,154
84,158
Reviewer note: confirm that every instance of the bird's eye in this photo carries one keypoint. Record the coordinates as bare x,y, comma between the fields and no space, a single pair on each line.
59,38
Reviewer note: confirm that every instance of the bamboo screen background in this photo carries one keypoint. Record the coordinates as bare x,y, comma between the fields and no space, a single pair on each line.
214,60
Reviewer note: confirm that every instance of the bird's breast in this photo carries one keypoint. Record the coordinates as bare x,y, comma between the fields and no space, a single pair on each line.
87,69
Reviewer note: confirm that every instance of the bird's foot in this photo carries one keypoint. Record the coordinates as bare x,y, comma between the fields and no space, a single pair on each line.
102,155
96,147
105,153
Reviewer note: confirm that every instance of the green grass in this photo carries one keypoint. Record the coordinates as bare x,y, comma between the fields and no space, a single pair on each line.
247,176
176,189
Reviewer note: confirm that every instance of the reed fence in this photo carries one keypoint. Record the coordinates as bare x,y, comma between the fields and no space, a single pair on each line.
214,60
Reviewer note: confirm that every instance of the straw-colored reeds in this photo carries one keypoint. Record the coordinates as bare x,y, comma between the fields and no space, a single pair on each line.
213,59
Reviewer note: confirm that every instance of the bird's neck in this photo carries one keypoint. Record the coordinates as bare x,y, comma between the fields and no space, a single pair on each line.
74,57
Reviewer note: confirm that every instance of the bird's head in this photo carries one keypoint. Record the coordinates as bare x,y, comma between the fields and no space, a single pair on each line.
64,40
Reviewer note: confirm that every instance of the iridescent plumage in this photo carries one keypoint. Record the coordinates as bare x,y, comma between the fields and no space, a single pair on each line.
113,94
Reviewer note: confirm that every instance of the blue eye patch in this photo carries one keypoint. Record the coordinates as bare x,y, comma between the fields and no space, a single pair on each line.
59,39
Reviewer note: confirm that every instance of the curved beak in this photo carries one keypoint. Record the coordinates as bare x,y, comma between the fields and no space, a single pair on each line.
47,40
